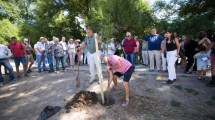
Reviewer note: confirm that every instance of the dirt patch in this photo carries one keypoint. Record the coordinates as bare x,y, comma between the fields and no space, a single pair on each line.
82,98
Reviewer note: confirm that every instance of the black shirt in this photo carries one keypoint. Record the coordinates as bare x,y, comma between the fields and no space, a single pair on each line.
170,46
190,48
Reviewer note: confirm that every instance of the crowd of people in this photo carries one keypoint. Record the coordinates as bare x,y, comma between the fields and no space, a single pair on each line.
160,53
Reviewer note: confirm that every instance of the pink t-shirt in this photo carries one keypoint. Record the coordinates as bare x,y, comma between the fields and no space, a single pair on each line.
125,64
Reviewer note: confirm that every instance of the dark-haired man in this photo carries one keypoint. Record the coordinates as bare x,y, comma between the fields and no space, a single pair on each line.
19,54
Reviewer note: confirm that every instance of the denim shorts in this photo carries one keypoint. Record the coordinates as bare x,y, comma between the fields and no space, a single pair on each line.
127,74
18,60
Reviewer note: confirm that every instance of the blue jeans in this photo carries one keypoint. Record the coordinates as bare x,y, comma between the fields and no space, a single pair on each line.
59,59
130,58
40,59
7,65
50,61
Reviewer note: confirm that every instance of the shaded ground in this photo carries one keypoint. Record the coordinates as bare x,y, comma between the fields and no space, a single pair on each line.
187,99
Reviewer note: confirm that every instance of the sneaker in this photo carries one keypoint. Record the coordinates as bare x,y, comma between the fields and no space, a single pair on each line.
168,82
45,70
57,72
1,85
64,70
30,70
188,72
92,80
125,103
39,71
14,81
200,78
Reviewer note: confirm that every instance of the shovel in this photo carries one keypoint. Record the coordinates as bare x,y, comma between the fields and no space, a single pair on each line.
78,78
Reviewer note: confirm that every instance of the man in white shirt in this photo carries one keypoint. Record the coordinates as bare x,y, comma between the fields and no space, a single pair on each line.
39,48
5,54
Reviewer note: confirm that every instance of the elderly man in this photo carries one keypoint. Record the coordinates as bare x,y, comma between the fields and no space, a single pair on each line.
29,50
19,54
154,42
39,48
89,42
122,67
129,45
5,54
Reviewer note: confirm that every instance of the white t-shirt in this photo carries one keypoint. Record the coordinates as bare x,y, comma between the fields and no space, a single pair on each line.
111,49
64,45
71,48
41,46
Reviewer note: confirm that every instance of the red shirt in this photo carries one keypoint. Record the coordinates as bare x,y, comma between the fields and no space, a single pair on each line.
129,45
17,49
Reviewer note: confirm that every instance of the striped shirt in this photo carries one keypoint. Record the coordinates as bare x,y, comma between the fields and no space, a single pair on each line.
125,64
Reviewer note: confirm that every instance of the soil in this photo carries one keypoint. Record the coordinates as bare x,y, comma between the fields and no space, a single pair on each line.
150,99
82,98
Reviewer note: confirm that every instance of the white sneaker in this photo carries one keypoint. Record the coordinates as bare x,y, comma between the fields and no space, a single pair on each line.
57,72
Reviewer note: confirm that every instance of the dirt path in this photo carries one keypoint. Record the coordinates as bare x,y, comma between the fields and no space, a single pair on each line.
187,99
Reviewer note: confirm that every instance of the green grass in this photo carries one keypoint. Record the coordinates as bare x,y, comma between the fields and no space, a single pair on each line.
149,90
179,87
175,103
210,103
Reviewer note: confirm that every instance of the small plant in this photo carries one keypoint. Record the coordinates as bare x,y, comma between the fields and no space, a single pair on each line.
213,98
179,87
195,93
189,90
175,103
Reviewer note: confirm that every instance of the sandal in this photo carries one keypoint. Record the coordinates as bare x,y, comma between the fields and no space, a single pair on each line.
125,103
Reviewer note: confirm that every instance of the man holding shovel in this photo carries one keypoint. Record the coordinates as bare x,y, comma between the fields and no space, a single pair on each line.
122,67
89,42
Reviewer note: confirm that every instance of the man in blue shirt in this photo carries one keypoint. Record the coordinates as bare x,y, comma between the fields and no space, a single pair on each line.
5,54
154,43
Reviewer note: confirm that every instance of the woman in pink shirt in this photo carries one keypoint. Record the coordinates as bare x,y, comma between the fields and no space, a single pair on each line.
122,67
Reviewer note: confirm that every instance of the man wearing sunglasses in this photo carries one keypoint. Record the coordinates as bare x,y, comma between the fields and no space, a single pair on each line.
129,45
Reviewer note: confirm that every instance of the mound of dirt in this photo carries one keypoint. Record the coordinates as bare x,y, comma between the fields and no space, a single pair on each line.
82,98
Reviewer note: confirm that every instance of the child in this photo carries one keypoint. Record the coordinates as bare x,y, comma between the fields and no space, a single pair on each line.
202,62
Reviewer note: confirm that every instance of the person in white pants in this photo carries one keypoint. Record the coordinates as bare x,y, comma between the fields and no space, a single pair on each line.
63,43
89,42
71,52
154,43
145,54
173,49
163,54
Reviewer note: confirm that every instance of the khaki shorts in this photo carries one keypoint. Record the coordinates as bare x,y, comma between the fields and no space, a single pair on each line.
30,58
